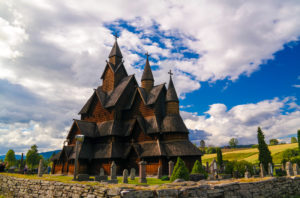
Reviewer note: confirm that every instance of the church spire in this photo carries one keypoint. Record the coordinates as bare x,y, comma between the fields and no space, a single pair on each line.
172,102
115,55
147,77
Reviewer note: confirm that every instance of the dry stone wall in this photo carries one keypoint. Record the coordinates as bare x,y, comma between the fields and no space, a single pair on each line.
275,187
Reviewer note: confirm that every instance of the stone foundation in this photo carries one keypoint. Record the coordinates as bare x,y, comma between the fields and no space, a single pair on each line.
275,187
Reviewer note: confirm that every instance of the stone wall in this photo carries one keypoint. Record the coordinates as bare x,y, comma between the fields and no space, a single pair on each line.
275,187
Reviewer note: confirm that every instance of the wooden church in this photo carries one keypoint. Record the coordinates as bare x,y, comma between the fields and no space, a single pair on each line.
126,123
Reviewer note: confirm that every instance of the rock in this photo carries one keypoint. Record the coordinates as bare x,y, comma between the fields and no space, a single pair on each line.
178,180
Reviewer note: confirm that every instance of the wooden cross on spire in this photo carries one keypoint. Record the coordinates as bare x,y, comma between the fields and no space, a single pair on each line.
147,54
116,36
170,72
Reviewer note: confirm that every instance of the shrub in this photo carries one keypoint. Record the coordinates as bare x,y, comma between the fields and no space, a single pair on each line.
164,178
211,150
294,140
280,172
180,171
289,153
254,146
296,160
238,166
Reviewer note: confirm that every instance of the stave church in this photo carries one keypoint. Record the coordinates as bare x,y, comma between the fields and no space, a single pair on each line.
127,123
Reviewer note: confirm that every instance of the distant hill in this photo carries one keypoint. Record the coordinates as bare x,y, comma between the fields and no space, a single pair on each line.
251,155
45,155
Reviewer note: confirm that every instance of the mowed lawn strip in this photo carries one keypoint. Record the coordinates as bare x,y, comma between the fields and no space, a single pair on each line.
251,155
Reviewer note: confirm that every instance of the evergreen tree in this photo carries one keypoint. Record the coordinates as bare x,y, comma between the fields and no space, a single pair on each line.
180,171
10,158
298,133
264,152
294,140
32,157
197,168
219,157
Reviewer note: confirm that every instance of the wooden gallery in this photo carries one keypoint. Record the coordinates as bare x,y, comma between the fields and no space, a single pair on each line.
125,123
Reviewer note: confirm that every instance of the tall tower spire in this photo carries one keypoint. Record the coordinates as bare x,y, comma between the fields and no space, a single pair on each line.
172,98
115,55
147,77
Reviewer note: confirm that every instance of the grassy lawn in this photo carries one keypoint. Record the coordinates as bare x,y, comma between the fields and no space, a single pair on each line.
68,179
251,155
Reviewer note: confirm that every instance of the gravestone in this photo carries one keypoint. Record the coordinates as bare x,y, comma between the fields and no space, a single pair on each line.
213,169
296,169
262,170
247,173
125,176
113,171
101,176
132,173
159,172
40,170
270,169
171,167
254,170
142,172
289,169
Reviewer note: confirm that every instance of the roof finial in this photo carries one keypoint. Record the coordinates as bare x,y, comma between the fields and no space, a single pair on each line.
116,36
170,72
147,54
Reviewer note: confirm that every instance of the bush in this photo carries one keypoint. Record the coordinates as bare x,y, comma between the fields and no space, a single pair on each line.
280,172
239,166
296,160
254,146
289,153
180,171
198,169
211,150
164,178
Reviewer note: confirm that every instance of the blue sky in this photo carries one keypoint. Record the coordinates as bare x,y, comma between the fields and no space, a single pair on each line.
235,64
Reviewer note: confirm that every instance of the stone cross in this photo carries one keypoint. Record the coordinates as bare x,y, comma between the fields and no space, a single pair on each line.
159,172
142,172
262,170
296,169
40,170
171,167
289,169
270,169
132,173
125,176
113,171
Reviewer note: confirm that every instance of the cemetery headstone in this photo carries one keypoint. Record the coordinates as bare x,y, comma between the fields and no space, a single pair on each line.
289,169
159,172
142,172
262,170
270,169
132,173
171,167
113,171
40,170
296,169
101,176
125,176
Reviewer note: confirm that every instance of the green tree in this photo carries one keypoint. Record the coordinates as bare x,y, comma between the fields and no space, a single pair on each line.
10,158
298,133
294,140
197,168
274,142
180,171
202,145
32,157
233,142
264,152
219,157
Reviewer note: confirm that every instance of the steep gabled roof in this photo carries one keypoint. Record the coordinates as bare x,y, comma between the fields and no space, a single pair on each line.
114,68
86,128
154,93
181,148
173,123
171,92
115,51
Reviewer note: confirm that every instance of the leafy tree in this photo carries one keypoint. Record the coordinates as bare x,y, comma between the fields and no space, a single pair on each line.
274,142
233,142
202,145
294,140
211,150
264,152
289,153
298,133
32,157
180,171
10,158
219,157
239,166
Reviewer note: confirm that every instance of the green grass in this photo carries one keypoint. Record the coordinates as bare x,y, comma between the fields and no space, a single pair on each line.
251,155
68,179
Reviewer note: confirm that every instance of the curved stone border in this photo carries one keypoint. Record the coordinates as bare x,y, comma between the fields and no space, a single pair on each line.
275,187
